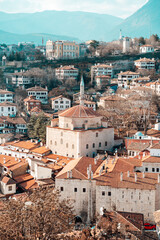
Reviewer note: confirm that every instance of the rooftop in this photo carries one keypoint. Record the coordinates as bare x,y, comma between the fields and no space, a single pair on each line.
79,111
37,89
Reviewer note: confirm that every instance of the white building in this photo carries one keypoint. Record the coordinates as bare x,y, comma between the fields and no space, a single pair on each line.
124,78
39,93
79,131
60,103
21,79
146,49
50,50
6,96
145,63
8,109
66,72
101,69
8,186
92,187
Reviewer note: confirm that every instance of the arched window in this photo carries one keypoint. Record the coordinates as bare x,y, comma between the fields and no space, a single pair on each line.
93,145
87,146
61,134
96,134
55,143
66,145
72,146
61,141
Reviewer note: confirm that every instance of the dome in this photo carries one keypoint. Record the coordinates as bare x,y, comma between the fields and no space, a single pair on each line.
79,111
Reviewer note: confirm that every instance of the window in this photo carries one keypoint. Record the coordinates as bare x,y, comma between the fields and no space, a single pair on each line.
61,134
72,156
100,144
61,141
105,143
66,145
146,169
72,146
103,193
84,189
75,190
157,169
10,188
55,143
109,193
93,145
86,146
51,142
62,189
153,169
96,134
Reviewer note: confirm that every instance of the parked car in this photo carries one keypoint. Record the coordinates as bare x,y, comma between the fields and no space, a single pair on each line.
149,226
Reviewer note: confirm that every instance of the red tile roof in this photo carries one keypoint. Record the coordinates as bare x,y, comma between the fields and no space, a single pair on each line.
79,112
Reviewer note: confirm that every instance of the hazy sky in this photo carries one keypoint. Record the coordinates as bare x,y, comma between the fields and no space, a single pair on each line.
121,8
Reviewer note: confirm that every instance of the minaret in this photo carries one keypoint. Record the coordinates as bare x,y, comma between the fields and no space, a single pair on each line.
120,36
82,98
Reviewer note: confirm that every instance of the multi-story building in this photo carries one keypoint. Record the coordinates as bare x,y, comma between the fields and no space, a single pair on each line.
112,183
101,70
102,81
6,96
145,63
66,50
8,109
13,125
21,79
66,72
146,48
62,50
79,131
124,78
50,50
30,103
39,93
60,103
154,86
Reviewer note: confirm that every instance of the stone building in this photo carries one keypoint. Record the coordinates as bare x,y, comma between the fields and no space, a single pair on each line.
109,184
79,131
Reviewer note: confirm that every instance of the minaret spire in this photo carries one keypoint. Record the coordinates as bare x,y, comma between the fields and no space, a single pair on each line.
82,98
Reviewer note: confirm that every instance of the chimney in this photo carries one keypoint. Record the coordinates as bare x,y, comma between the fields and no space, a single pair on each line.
88,173
121,176
143,174
68,174
4,160
135,177
95,160
91,175
128,173
71,174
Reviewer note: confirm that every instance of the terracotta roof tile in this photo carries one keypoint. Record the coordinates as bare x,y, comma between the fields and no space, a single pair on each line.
79,112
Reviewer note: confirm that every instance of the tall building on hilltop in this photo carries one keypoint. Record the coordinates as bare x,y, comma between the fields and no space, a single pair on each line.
79,131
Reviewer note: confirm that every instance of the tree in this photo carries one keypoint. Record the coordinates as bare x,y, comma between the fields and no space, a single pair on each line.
40,215
37,127
142,41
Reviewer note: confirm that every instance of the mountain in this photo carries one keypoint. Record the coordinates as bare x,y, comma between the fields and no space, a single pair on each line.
81,25
10,38
144,22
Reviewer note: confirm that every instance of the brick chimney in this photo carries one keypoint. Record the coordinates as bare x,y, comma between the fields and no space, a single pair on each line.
121,176
135,177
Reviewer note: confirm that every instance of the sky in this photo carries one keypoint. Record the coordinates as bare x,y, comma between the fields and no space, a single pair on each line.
119,8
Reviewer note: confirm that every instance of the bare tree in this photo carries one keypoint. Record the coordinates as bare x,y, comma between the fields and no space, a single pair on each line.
41,215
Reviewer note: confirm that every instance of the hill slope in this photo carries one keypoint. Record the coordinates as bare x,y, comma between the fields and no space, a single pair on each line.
82,25
143,22
10,38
